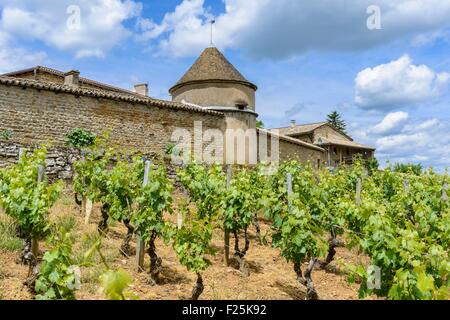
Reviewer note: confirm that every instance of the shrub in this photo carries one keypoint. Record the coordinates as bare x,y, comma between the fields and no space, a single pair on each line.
80,138
58,277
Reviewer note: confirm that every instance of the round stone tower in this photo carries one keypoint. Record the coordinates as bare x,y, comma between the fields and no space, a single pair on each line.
214,83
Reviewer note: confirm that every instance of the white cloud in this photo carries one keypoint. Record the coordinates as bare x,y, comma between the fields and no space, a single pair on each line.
101,28
284,28
390,122
411,140
398,83
426,39
426,142
14,58
429,124
403,141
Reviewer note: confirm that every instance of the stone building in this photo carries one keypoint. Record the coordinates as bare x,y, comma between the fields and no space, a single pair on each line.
41,105
339,146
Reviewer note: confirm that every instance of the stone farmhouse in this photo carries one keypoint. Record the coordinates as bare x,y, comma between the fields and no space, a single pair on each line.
340,147
41,105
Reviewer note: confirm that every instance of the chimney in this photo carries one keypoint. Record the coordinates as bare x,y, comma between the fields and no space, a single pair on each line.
293,123
72,78
141,89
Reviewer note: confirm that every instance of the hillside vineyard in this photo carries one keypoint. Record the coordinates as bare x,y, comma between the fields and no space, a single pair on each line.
399,221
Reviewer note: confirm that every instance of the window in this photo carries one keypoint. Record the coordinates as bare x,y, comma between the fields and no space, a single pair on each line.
241,105
335,150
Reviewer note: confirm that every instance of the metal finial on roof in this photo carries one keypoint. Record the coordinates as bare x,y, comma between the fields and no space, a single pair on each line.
212,23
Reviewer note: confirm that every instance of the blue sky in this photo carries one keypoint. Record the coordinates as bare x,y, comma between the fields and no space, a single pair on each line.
307,58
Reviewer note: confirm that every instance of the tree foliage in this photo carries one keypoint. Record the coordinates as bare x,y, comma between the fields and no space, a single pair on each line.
335,119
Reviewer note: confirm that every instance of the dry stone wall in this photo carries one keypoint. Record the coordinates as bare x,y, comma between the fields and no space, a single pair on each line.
59,159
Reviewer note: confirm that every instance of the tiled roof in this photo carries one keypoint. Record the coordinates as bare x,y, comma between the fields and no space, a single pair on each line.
82,80
133,98
322,141
290,139
300,129
308,128
212,66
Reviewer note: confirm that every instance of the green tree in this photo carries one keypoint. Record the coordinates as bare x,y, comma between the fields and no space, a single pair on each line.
335,119
259,124
416,169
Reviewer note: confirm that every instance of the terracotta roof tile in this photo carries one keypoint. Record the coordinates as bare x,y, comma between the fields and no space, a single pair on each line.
82,80
133,98
308,128
301,129
322,141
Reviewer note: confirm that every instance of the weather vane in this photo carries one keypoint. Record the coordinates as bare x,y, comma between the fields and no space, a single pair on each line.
212,22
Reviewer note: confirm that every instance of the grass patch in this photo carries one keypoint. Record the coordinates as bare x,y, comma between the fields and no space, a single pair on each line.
8,238
67,222
67,200
108,249
91,276
87,242
91,273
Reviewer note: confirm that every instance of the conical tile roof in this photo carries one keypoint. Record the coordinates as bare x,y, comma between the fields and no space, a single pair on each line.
212,66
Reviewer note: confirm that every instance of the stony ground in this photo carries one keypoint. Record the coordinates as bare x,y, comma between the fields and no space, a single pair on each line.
271,277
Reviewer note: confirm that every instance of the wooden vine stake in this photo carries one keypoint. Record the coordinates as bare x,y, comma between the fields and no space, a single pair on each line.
289,190
358,191
34,241
444,192
227,232
140,248
180,220
21,153
88,205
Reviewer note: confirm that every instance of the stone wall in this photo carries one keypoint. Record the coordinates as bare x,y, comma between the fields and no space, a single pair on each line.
58,164
306,137
42,116
218,94
290,150
328,132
